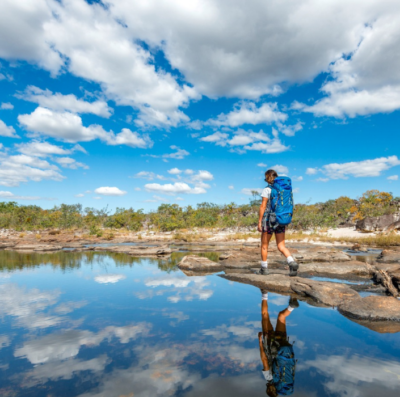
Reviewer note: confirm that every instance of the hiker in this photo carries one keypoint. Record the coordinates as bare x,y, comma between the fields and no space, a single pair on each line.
277,354
276,212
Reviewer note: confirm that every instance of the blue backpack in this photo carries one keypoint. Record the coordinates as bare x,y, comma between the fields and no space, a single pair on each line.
281,206
283,369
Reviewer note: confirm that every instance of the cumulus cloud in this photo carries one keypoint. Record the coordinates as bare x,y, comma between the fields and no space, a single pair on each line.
175,188
231,187
148,175
68,162
249,113
280,169
180,154
217,137
175,171
60,102
7,131
262,165
311,171
68,127
393,178
44,149
110,191
109,278
6,106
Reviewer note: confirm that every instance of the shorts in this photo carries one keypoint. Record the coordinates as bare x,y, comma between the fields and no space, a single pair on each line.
278,230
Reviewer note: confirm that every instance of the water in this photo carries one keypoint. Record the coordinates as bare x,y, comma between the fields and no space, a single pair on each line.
110,325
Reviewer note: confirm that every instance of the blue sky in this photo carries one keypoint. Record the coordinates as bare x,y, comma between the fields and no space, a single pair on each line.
132,103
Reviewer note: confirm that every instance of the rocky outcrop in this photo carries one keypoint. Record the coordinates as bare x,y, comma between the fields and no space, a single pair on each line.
382,327
137,250
331,294
337,268
377,223
321,254
35,247
389,256
372,308
273,282
194,262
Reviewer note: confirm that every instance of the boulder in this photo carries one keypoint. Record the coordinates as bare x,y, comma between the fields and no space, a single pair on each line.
36,247
389,256
321,254
377,223
372,308
247,259
337,268
197,263
328,293
273,282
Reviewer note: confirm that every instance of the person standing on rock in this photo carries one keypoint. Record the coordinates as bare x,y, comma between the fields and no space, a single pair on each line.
266,230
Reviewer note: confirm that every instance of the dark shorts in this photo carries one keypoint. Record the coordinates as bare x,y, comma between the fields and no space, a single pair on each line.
278,230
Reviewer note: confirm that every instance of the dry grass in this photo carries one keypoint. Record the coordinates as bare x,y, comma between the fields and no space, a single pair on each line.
388,240
38,236
243,236
190,238
21,235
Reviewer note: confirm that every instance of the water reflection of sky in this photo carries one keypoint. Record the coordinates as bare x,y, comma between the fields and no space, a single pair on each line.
103,325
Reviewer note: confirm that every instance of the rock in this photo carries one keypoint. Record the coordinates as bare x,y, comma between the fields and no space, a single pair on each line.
331,294
48,248
193,273
37,247
137,250
273,282
377,223
382,327
7,245
321,254
389,256
246,259
372,308
194,262
393,226
337,268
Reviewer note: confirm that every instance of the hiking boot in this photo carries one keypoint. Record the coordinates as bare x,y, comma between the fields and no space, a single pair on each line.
293,303
293,267
262,272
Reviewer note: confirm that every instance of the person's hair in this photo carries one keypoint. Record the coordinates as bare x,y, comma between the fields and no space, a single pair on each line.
270,176
271,390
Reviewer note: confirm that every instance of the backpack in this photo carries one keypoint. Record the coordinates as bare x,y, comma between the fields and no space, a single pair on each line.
281,203
283,369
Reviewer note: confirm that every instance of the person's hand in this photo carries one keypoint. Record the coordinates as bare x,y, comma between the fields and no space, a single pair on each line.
259,227
260,334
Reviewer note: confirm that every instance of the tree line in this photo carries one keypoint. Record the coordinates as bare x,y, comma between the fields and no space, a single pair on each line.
169,217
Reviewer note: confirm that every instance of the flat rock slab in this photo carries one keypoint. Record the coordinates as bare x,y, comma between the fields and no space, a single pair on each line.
389,256
36,247
247,260
321,254
383,327
194,262
337,268
137,250
372,308
7,245
273,282
328,293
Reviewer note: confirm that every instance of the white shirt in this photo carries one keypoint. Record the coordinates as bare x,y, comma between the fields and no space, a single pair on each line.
266,193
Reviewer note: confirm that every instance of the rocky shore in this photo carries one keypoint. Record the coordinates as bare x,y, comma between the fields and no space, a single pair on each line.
365,291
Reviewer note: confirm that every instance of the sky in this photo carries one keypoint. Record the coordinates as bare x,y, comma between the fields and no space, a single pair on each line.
134,103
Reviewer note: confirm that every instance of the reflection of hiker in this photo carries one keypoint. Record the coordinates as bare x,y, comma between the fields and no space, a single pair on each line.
277,355
275,213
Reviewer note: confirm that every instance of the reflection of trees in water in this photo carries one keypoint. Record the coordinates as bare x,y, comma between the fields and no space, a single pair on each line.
12,260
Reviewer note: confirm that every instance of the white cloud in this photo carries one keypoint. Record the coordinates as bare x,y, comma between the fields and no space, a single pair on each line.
68,162
281,169
249,113
110,191
296,190
322,179
180,154
138,189
6,106
216,137
59,102
97,198
311,171
393,178
148,175
298,178
249,191
12,196
79,195
231,187
262,165
360,168
290,130
175,188
44,149
175,171
68,127
7,131
109,278
179,199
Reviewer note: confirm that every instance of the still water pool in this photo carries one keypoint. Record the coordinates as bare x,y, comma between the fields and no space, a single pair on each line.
109,325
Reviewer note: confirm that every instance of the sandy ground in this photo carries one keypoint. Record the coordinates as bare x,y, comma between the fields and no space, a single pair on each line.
348,232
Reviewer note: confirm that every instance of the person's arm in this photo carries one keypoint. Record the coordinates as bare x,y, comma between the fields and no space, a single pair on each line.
263,206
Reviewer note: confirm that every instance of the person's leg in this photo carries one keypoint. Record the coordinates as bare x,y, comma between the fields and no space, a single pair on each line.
281,322
280,242
265,239
266,328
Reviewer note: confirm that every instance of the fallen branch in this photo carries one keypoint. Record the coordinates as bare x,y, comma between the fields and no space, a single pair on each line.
383,277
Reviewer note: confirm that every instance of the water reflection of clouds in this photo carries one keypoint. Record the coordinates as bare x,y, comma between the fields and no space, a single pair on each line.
109,278
184,288
247,330
357,376
4,341
67,344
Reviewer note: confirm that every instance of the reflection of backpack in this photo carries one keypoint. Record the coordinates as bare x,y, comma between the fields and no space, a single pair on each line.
281,205
283,369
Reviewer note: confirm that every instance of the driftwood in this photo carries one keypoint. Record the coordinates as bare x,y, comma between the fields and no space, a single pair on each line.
383,277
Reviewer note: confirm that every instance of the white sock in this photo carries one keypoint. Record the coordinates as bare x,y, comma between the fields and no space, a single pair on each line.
264,264
290,308
290,259
264,296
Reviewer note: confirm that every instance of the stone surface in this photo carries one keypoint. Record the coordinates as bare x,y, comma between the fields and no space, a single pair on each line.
383,327
273,283
378,223
389,256
7,245
331,294
337,268
194,262
137,250
372,308
321,254
48,248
